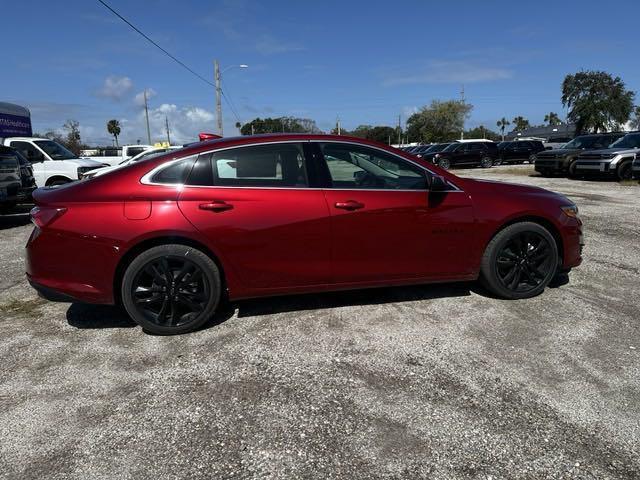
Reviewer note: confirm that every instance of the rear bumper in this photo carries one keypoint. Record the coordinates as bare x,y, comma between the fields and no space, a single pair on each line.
67,267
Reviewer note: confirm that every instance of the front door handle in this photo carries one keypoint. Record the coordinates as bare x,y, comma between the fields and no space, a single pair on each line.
215,206
349,205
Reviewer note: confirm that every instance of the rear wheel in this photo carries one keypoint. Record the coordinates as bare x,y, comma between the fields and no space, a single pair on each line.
572,169
171,289
486,162
532,158
520,261
625,171
444,163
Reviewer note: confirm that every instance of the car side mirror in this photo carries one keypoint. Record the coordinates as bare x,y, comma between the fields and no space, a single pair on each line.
438,184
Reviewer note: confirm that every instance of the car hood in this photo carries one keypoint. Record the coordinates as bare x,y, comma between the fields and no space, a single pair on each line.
85,162
609,151
473,186
563,151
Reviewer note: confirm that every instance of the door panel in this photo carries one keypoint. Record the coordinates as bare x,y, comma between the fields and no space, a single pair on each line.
272,237
399,234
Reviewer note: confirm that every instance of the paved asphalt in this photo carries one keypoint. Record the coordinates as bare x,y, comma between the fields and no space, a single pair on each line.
422,382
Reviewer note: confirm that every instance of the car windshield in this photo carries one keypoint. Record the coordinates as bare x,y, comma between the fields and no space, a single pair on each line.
628,141
55,150
582,142
452,147
438,147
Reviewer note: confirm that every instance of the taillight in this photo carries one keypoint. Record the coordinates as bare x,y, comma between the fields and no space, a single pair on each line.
43,216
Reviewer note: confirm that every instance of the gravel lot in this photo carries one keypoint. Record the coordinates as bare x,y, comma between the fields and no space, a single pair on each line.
419,382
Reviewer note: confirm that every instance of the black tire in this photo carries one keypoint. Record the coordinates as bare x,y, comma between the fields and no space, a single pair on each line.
486,162
444,163
571,170
520,261
532,158
625,171
171,289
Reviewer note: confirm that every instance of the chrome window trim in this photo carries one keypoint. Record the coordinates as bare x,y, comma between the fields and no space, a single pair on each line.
146,179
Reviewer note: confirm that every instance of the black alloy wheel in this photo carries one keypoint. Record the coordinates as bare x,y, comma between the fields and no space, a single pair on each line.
625,171
486,162
523,263
171,289
444,163
532,158
520,261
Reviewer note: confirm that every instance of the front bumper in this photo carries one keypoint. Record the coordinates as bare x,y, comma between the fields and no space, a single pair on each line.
595,167
555,165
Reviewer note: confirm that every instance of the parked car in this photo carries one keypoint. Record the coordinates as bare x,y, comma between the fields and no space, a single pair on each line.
615,161
255,216
16,185
478,152
430,152
563,160
146,154
52,163
419,151
116,155
519,151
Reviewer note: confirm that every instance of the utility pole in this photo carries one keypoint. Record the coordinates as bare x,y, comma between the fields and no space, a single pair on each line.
216,73
399,131
462,100
338,126
166,122
146,114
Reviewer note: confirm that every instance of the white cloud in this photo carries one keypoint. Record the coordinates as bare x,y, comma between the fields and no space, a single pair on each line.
269,45
458,72
139,98
115,87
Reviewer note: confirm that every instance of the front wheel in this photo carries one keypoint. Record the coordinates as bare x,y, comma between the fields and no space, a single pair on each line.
171,289
625,171
519,261
486,162
532,158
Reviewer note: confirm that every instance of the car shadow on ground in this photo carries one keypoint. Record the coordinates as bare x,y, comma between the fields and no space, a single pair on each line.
85,316
18,216
350,298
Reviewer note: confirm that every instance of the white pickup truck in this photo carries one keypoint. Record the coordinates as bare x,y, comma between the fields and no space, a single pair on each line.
52,163
115,156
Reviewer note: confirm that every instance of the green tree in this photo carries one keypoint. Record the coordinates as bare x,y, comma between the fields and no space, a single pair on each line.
482,132
552,118
635,121
73,141
113,127
520,123
597,101
440,121
279,125
502,124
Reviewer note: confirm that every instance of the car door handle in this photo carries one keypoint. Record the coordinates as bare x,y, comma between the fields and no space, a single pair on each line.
215,206
349,205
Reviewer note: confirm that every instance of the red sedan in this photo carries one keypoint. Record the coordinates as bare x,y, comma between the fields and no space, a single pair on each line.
169,237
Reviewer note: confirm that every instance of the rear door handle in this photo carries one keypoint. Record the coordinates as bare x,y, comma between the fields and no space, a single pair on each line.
215,206
349,205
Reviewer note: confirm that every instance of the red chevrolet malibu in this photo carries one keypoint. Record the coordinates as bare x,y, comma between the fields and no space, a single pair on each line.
169,237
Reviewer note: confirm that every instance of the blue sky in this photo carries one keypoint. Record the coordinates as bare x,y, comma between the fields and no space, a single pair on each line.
365,62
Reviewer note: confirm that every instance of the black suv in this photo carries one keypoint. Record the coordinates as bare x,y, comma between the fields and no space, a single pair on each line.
434,149
519,151
16,178
482,153
563,160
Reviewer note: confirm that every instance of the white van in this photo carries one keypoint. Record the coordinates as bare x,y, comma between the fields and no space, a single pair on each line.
52,163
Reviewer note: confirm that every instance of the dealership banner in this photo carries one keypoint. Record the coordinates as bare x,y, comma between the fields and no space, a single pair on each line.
14,125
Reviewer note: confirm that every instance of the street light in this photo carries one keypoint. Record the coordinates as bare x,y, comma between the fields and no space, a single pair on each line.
218,76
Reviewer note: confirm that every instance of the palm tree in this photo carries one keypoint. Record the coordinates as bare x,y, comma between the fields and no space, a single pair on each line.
113,127
520,123
552,118
502,124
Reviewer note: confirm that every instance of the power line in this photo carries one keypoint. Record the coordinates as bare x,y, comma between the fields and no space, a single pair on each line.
182,64
230,103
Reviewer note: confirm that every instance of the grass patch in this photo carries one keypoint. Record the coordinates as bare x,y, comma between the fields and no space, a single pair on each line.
21,307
